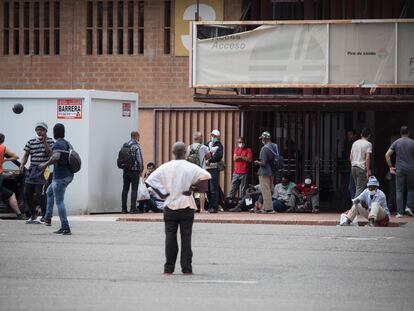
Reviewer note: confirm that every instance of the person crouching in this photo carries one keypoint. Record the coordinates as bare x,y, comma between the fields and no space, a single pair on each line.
371,204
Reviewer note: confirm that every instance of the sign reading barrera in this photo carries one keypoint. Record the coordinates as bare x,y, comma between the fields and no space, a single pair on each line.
69,108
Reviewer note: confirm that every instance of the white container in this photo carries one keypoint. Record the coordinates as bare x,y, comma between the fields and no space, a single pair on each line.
96,133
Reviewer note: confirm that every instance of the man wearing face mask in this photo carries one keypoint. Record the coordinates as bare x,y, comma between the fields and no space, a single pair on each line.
371,204
214,156
283,200
242,156
265,172
39,149
306,194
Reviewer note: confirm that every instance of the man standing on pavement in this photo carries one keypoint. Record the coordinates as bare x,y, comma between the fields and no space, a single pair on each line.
175,181
404,170
39,149
351,137
265,172
360,158
196,153
214,156
132,171
242,156
62,177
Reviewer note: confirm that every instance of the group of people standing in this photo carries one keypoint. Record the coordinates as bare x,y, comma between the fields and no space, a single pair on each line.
368,200
42,188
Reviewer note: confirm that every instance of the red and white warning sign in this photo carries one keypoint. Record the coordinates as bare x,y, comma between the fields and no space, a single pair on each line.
126,109
69,108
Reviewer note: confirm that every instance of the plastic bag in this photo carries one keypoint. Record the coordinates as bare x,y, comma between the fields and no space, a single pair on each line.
143,193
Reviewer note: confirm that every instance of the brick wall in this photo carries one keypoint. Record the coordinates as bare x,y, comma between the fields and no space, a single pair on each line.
160,79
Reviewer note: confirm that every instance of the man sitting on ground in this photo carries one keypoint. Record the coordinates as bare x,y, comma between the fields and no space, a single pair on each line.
371,204
249,200
283,200
306,196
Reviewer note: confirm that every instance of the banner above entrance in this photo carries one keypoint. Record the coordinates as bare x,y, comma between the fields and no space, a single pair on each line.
347,53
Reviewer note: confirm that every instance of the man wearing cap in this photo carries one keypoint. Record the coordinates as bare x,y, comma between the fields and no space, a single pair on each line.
39,149
371,204
265,172
214,156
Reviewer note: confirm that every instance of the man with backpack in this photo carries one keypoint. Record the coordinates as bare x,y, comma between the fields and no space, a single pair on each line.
131,162
196,153
267,157
62,177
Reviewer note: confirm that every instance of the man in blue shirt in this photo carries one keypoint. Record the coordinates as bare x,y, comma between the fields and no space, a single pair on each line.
62,177
371,204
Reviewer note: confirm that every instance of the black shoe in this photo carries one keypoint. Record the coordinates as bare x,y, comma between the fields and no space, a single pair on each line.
124,212
63,231
42,220
212,211
47,222
133,211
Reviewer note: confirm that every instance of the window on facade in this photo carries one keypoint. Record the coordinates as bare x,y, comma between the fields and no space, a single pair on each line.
99,36
56,25
16,24
131,27
110,30
36,27
287,10
46,26
116,27
167,27
26,26
141,27
120,27
6,27
89,29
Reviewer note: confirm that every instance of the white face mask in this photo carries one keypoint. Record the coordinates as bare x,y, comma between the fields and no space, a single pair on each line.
372,192
308,181
241,145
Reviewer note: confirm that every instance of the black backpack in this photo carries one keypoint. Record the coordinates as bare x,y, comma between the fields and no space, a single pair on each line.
126,158
74,159
277,162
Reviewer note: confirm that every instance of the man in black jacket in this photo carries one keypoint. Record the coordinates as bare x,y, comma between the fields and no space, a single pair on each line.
214,156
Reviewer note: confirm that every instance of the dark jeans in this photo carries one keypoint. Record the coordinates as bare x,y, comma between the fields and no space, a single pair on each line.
279,206
56,194
213,189
172,219
130,178
149,205
30,190
351,186
403,178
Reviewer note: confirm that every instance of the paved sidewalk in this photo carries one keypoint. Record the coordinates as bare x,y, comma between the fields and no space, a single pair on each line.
322,219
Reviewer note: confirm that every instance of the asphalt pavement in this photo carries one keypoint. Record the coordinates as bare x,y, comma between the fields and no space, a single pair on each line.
108,265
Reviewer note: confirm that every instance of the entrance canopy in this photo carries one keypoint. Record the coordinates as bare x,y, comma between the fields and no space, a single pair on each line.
303,54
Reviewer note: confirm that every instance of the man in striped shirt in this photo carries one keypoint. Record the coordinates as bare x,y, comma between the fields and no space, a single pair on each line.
39,149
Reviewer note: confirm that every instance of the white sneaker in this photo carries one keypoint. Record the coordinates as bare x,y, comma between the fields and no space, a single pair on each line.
399,216
409,211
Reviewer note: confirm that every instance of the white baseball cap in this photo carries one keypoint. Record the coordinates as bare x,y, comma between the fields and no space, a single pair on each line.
215,132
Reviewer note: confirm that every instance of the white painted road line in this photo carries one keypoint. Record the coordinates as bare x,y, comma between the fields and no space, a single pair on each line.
221,282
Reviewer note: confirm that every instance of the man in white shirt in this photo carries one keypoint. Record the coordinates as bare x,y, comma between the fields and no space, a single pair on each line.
175,181
360,158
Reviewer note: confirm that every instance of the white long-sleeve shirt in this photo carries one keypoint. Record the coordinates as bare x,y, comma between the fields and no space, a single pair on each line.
175,177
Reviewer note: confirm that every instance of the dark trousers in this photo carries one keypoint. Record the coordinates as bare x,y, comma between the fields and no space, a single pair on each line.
130,178
172,219
30,190
213,189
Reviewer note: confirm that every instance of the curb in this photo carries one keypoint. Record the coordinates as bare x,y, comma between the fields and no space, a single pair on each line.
259,222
